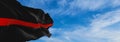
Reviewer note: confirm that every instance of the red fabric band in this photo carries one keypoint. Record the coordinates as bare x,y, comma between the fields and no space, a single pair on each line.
8,21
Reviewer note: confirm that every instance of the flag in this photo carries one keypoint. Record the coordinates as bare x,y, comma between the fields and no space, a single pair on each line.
21,23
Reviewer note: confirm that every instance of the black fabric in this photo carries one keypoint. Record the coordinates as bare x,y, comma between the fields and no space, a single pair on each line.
14,33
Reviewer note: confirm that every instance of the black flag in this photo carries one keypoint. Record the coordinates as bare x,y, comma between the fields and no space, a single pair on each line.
19,23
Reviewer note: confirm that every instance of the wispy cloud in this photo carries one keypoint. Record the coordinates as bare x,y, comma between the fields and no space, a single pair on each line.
95,33
105,20
72,7
114,3
88,4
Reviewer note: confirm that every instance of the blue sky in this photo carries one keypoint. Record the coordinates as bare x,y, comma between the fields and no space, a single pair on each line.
80,20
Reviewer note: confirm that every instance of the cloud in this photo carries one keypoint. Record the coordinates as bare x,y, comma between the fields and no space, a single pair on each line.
88,4
96,31
71,7
105,20
115,3
94,4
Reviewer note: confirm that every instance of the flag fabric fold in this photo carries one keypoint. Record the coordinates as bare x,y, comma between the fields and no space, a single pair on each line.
21,23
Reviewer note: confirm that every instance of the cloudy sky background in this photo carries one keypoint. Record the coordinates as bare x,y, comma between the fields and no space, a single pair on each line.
80,20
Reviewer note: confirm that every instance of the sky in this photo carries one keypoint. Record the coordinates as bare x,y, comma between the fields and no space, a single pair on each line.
80,20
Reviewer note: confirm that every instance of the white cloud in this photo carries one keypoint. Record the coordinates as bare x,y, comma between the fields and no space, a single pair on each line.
76,6
96,32
90,34
88,4
105,20
73,7
94,4
115,3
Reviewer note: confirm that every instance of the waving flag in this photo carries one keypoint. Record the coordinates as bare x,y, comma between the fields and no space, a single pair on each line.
19,23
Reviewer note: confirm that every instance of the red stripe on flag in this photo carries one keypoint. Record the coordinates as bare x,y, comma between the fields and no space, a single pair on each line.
8,21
